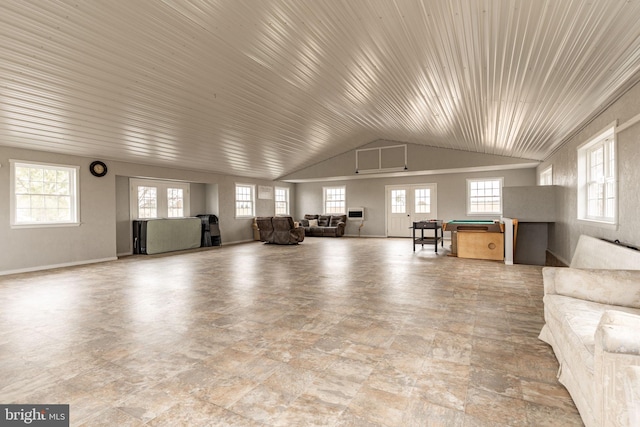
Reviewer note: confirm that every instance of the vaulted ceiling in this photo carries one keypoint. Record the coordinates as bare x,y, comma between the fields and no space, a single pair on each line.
262,88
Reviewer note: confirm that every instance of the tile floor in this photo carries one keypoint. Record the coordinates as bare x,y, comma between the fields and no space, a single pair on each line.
332,332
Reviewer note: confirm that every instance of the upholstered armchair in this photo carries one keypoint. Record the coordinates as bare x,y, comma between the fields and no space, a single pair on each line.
280,230
265,228
285,232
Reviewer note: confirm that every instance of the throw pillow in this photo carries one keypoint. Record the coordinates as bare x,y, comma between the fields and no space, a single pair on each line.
323,220
313,223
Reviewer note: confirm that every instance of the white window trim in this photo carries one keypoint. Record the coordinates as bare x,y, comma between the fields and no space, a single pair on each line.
288,200
75,195
469,181
546,172
162,201
235,200
433,192
582,151
324,198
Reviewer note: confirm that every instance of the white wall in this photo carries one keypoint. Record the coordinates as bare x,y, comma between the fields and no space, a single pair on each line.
370,193
105,229
565,232
94,239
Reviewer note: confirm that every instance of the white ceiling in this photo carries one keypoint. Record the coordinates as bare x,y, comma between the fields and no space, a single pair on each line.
262,88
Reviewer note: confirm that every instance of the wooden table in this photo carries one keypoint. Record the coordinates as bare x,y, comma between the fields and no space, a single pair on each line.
428,225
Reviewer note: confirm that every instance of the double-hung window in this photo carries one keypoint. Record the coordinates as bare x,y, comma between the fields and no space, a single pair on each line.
484,196
335,200
597,177
245,200
43,194
159,199
282,201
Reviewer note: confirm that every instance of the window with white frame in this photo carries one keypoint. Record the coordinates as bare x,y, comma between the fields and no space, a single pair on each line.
398,201
484,196
282,201
335,200
422,200
245,200
597,177
175,202
546,176
43,194
158,199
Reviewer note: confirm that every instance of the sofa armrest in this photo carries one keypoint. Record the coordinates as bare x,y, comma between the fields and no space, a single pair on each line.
615,287
549,279
617,347
619,332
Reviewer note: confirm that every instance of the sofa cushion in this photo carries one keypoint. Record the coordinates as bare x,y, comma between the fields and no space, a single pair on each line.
592,252
307,216
335,219
598,286
314,231
313,223
323,220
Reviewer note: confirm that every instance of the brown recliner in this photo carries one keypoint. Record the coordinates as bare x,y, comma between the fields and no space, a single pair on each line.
265,228
280,230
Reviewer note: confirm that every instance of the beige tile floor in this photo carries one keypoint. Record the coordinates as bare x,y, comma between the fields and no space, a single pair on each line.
332,332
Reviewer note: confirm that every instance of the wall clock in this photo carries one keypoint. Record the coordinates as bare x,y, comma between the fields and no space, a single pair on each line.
98,168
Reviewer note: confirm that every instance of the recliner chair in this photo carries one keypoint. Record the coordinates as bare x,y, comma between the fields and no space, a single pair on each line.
280,230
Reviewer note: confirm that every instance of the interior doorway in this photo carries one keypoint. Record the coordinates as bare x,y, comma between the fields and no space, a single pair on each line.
408,203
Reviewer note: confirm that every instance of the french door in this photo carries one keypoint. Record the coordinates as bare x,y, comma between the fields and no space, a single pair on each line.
408,203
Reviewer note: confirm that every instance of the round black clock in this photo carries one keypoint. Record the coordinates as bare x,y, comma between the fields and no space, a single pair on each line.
98,168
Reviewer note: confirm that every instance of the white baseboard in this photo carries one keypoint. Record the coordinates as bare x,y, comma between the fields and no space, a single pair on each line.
52,266
368,235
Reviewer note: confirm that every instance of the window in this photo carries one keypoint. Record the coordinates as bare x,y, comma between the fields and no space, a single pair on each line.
159,199
175,202
282,201
484,196
147,202
334,200
422,200
245,200
597,176
398,201
546,176
43,194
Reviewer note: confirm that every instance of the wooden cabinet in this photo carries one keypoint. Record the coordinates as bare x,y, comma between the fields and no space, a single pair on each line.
480,245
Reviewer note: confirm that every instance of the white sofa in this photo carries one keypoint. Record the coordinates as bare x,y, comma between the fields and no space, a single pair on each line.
592,322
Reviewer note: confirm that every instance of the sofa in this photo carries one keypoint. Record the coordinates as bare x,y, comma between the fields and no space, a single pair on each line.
592,322
324,225
280,230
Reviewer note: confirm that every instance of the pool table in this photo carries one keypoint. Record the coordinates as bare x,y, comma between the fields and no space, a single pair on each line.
495,226
479,239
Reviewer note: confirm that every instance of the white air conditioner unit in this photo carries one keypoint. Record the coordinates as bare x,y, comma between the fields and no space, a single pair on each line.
355,214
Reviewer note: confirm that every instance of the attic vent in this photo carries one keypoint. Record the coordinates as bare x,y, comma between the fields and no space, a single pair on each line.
381,159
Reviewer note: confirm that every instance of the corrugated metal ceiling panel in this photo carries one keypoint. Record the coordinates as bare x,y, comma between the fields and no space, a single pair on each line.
264,88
